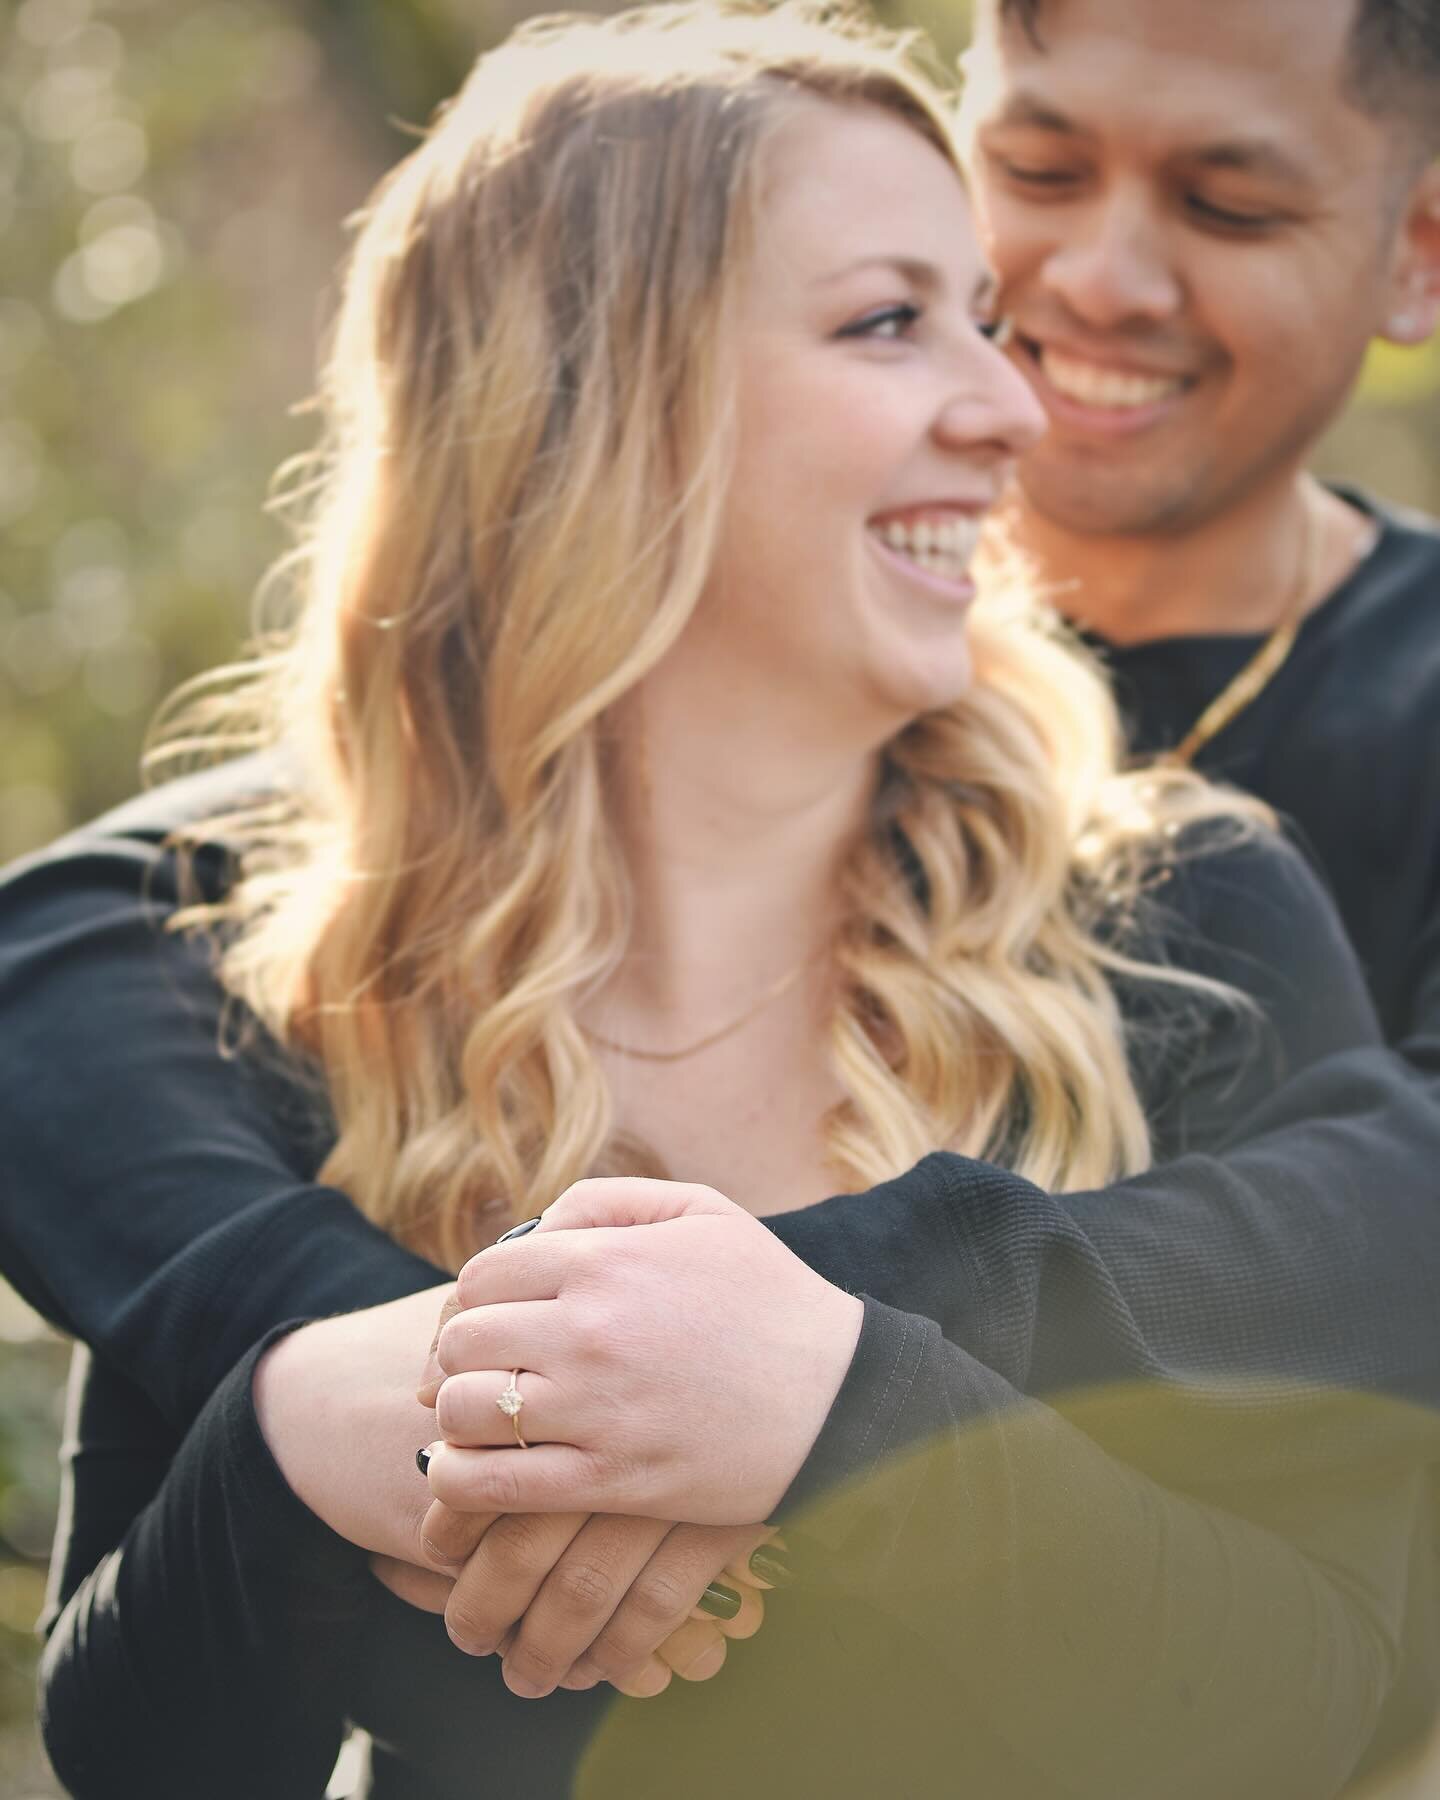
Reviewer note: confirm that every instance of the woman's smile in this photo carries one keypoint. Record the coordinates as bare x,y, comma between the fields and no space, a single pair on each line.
930,545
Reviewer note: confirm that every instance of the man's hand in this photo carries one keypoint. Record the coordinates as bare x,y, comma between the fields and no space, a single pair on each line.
569,1600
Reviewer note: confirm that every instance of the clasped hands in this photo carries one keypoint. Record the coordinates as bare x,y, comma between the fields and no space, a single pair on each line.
679,1372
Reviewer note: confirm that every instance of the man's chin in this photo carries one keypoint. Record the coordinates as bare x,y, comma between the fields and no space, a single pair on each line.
1093,501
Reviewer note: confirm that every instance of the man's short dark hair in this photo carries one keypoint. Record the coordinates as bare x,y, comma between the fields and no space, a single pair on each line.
1392,64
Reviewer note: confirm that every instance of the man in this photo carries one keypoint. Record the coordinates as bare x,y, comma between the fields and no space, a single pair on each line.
1278,1250
1200,217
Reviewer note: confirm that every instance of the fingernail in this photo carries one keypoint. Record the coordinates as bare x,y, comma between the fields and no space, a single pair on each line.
422,1459
720,1602
772,1565
518,1230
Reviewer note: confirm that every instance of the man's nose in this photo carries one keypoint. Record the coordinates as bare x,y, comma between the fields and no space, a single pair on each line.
1112,265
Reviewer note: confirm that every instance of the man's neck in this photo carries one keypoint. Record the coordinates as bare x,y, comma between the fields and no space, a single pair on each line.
1237,573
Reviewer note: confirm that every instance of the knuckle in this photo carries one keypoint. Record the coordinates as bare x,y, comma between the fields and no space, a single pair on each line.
462,1347
500,1484
450,1345
658,1597
602,1330
615,1660
467,1285
449,1536
585,1586
470,1628
519,1538
450,1408
536,1662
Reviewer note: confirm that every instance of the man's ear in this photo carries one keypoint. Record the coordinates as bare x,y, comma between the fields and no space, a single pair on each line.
1414,296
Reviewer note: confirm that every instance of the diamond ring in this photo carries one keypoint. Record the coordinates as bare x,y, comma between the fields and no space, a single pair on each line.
510,1402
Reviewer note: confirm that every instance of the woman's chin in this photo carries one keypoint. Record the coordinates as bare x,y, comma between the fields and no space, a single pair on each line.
918,684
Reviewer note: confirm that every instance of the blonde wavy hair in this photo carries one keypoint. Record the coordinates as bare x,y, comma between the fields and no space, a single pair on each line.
530,423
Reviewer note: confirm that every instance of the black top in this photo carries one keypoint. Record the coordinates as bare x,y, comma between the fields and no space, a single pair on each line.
1345,742
1305,1246
964,1540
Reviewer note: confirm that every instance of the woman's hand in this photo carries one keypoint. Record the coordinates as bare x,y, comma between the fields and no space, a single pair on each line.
569,1600
336,1404
680,1370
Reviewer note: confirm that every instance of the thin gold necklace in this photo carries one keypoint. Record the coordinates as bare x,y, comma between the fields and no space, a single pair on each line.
1246,687
771,994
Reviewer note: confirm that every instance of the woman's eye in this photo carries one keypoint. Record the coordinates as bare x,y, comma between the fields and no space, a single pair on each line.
887,323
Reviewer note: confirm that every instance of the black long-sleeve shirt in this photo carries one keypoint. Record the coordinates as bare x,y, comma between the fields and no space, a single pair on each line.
1344,742
1307,1243
206,1574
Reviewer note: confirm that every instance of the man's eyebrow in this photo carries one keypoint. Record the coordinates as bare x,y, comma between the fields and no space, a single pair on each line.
1257,156
1027,108
1252,156
920,274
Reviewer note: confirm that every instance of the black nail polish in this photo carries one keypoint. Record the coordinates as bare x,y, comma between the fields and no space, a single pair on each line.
771,1564
720,1602
422,1460
518,1230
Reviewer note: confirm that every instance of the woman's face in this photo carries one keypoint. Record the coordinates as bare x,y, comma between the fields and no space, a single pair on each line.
877,425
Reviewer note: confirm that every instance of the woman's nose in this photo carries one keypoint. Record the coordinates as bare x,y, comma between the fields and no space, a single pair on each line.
993,407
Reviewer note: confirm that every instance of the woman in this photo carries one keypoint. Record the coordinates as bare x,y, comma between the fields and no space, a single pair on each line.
650,818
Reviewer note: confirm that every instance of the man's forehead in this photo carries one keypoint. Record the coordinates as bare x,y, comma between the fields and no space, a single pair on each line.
1296,44
1239,84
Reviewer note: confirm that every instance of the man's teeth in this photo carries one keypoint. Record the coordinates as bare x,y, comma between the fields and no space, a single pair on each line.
1093,385
941,546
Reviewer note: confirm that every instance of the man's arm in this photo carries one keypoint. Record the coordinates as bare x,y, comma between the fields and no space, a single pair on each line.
157,1207
158,1200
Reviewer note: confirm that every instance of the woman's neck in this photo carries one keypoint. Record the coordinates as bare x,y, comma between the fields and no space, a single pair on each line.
734,844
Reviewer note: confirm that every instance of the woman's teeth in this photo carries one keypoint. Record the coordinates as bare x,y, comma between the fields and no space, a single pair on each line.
1113,389
939,546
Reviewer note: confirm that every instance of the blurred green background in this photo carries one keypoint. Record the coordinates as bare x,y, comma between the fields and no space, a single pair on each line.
174,177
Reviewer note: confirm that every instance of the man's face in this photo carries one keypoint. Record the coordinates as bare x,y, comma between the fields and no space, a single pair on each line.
1195,233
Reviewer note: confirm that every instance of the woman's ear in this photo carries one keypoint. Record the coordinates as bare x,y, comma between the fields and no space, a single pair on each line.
1414,299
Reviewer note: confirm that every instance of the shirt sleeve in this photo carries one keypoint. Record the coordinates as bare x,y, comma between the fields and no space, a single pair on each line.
930,1449
1109,1635
159,1200
1296,1241
1191,1571
1306,1197
210,1652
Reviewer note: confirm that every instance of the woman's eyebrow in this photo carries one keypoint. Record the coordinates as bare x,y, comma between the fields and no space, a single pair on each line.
916,270
922,275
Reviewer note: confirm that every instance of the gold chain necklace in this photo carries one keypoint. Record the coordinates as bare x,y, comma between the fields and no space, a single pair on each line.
771,994
1247,686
